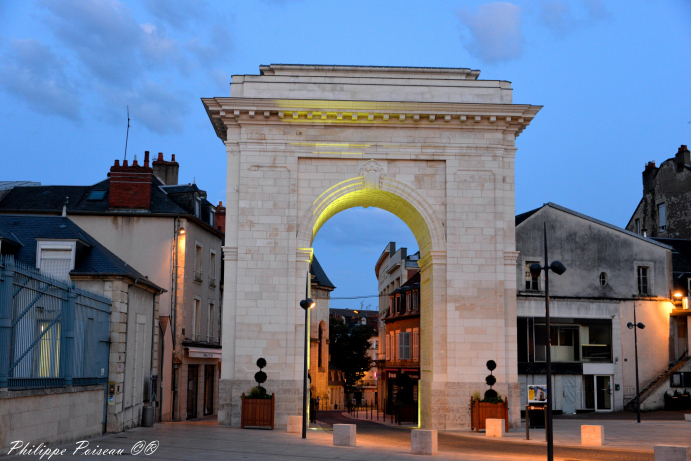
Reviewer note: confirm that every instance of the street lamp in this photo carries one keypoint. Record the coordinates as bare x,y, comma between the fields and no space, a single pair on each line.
306,304
635,327
535,269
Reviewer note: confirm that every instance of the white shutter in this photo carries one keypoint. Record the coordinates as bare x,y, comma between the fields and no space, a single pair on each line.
56,263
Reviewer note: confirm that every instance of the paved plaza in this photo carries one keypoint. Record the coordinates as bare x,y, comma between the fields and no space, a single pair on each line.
204,439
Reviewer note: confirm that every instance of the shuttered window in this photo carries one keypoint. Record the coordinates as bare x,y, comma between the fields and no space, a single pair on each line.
56,263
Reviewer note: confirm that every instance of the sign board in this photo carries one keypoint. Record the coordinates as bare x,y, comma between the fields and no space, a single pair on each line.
537,393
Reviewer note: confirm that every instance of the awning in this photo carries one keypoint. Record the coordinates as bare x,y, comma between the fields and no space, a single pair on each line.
204,352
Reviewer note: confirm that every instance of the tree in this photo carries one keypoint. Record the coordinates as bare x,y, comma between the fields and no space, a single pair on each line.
348,350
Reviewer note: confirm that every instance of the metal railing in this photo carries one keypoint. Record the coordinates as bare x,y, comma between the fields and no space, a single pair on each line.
212,281
198,276
51,333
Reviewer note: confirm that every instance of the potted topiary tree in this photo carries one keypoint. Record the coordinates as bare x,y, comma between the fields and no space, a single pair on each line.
490,406
258,406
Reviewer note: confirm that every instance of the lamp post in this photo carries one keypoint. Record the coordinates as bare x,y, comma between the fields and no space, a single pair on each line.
635,326
306,304
535,269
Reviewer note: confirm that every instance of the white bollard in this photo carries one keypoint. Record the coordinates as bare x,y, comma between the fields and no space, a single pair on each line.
687,417
423,442
295,424
344,435
672,453
495,427
592,436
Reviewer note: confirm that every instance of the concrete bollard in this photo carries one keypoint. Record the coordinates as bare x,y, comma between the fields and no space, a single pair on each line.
295,424
344,435
592,436
672,453
687,417
495,427
423,442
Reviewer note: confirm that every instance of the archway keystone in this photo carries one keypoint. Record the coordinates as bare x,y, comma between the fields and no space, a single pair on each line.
336,137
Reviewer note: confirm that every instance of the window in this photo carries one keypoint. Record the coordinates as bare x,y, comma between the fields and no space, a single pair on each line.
212,217
404,345
96,195
387,348
563,340
416,344
196,319
55,259
416,293
661,214
320,351
197,206
531,283
210,336
642,280
407,302
212,268
198,262
596,343
398,303
603,279
638,226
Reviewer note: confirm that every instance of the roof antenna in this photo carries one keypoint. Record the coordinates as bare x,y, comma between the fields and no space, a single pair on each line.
128,131
64,207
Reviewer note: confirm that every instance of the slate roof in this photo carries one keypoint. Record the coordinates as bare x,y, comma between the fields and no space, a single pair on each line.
52,199
681,254
318,275
94,260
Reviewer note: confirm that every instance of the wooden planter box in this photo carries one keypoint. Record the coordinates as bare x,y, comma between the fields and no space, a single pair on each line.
257,412
480,411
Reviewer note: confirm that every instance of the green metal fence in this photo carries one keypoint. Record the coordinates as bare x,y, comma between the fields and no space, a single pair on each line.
51,333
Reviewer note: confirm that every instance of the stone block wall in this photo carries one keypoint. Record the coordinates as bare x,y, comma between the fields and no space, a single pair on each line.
52,415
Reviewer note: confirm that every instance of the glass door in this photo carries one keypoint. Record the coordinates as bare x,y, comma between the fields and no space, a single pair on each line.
603,393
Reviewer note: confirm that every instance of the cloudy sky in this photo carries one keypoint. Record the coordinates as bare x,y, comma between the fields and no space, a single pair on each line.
614,79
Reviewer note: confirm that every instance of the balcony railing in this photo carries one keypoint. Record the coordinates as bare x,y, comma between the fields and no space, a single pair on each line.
198,276
212,281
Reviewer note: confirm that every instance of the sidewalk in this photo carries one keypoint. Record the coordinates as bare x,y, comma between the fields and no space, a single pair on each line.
619,434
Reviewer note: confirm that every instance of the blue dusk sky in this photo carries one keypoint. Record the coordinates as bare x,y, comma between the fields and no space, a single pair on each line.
613,77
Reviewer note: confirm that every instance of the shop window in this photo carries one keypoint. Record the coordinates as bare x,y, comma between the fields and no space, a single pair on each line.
596,343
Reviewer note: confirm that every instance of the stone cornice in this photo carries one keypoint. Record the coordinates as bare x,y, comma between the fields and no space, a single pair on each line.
230,111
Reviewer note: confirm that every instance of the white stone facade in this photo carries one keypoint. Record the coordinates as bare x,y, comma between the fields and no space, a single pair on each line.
435,147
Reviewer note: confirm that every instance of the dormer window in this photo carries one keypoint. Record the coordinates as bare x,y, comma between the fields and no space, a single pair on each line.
197,206
56,258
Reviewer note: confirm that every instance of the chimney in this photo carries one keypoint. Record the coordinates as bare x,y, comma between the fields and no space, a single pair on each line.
130,186
682,158
220,219
166,172
649,177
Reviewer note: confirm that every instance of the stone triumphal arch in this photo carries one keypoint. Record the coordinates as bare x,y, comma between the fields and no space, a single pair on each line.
434,146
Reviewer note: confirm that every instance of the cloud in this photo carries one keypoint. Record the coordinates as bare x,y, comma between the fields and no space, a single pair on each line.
153,105
31,71
179,14
102,33
495,31
558,16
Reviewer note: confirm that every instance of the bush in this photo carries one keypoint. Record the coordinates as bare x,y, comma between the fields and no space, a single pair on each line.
257,393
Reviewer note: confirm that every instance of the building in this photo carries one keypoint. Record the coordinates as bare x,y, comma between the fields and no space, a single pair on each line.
321,288
399,312
665,209
609,271
170,233
400,363
63,251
